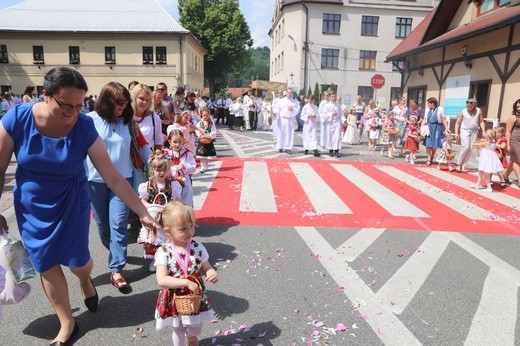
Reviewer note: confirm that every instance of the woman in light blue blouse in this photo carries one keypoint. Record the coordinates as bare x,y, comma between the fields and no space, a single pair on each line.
112,117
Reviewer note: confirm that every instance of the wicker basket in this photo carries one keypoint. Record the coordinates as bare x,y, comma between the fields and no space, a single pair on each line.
205,139
188,304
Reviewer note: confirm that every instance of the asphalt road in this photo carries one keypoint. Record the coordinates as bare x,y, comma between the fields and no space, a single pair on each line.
285,279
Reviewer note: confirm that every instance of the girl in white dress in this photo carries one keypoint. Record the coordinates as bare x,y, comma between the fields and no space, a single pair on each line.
488,161
183,165
309,116
351,134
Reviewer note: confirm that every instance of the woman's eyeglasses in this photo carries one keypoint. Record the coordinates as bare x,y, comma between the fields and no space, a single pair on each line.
68,107
470,102
121,102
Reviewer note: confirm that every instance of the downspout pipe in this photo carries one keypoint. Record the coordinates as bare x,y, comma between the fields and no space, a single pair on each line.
305,49
181,64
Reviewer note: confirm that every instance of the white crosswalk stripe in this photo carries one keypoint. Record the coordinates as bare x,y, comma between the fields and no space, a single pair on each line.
256,193
321,195
468,209
393,203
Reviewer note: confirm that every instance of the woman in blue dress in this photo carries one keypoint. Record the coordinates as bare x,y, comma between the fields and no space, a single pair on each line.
437,124
51,140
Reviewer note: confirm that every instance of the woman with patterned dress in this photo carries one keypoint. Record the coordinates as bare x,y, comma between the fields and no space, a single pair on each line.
513,142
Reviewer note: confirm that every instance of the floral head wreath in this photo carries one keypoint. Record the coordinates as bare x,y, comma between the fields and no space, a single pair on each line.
159,154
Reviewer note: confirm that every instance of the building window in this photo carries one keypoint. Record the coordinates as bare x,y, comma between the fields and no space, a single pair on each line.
4,59
366,93
369,25
110,55
331,23
147,55
73,55
160,55
38,55
490,5
329,58
403,27
367,59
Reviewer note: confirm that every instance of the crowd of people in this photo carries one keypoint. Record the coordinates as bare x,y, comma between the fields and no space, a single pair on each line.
133,151
130,149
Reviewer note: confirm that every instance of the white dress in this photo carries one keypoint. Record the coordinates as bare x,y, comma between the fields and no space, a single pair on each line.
351,134
488,160
310,140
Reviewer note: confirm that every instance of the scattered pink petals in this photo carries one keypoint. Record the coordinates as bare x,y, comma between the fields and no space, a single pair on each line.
315,333
245,328
317,256
331,331
296,311
341,289
317,323
261,335
340,327
218,332
214,320
363,317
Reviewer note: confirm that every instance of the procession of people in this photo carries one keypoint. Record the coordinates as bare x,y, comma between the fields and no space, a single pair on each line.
131,159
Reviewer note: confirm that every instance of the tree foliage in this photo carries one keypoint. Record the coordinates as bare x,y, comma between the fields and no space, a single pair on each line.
223,31
258,68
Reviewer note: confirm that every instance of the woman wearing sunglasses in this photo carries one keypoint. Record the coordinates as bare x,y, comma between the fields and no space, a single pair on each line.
51,198
469,121
112,116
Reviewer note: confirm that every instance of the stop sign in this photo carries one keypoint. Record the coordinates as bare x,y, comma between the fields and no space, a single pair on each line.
377,81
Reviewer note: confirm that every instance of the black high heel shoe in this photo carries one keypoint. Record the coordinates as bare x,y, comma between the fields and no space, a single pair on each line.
71,336
92,302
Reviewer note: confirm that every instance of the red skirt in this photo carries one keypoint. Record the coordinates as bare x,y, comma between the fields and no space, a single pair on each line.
411,144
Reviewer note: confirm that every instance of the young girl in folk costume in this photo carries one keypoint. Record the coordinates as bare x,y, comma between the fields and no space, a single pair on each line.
183,122
446,155
179,263
388,135
182,165
159,190
411,144
374,125
308,116
488,162
501,143
352,133
206,131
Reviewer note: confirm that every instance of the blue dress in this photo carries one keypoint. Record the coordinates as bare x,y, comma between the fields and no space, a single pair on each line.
436,137
51,196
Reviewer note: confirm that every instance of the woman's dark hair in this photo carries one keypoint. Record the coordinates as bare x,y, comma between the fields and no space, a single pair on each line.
180,91
106,102
514,106
63,77
132,84
29,90
433,100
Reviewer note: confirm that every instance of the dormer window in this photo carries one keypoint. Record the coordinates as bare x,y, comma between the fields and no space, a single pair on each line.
486,6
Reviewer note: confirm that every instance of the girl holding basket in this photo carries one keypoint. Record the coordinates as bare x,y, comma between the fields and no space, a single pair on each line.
155,193
183,302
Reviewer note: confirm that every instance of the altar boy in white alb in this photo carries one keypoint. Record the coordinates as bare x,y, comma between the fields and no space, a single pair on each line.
332,113
287,109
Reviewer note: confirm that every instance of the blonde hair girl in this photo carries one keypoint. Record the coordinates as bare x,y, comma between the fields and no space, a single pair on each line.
180,263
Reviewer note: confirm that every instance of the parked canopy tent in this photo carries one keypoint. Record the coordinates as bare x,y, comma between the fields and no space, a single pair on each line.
261,87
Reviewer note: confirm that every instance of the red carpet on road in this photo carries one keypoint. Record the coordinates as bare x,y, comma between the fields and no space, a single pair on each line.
497,212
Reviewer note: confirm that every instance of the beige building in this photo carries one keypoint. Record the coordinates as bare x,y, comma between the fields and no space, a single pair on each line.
342,42
105,40
465,49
